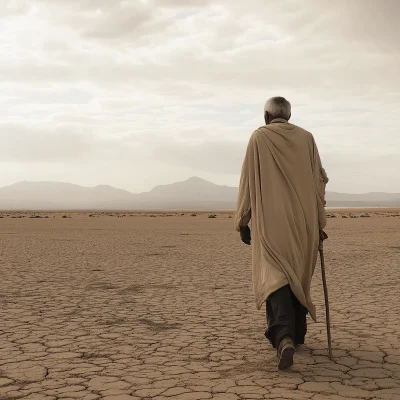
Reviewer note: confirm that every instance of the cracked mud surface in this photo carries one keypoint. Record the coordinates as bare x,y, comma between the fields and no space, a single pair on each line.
163,308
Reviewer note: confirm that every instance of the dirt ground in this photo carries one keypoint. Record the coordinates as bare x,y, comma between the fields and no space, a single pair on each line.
160,306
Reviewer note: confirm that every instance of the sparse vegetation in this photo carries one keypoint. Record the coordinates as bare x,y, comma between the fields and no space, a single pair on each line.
212,216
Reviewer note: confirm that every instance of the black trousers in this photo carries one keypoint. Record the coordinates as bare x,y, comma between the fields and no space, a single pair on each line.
286,316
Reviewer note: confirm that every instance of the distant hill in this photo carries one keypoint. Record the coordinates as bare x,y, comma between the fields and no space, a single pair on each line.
194,190
369,197
194,193
56,195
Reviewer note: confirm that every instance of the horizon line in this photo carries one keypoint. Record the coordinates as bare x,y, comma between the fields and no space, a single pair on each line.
167,184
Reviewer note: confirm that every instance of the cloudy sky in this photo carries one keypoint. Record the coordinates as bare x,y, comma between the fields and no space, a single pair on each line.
136,93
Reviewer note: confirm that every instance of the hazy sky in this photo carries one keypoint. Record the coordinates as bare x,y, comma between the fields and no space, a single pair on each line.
139,93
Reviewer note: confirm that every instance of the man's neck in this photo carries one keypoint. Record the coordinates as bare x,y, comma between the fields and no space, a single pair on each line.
278,120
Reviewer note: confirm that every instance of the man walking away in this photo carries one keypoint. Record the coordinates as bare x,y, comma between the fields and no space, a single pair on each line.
282,191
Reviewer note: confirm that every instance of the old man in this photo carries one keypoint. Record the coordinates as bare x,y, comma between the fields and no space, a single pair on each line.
282,192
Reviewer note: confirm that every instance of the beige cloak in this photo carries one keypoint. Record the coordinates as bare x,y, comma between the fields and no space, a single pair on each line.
282,191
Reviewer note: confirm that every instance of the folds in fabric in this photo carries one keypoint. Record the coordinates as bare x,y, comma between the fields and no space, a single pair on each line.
282,193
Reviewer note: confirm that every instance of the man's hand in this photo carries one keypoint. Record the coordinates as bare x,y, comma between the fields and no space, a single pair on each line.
322,236
245,234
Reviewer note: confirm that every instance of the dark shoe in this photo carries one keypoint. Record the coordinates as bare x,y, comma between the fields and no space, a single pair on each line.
285,353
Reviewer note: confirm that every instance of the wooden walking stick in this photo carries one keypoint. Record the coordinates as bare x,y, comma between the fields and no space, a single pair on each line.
328,323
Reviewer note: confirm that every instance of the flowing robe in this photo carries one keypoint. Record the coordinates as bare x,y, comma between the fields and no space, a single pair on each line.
282,192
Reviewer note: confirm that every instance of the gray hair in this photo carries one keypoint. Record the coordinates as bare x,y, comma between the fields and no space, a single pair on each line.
278,107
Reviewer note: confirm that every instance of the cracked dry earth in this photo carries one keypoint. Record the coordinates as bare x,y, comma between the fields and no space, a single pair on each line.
162,308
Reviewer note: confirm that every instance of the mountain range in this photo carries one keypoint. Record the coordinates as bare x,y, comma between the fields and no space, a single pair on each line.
194,193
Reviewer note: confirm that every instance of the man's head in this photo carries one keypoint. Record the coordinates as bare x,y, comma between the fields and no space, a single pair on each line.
277,107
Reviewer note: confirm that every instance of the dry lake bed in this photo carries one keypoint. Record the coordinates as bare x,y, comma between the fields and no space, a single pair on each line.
106,305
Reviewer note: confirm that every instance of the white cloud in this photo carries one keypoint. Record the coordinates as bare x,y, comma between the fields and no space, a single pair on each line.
22,144
162,85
